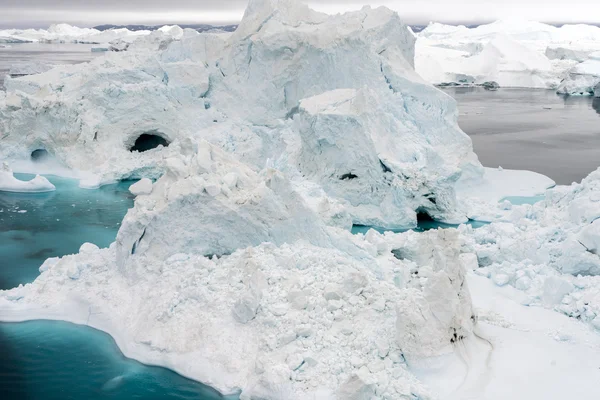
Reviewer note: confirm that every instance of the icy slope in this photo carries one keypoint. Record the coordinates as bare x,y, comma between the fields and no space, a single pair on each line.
269,94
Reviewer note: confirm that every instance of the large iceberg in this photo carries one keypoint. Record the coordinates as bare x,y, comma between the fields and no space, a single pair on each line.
264,143
332,101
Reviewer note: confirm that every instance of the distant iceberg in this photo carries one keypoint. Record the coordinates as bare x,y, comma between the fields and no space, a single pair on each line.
513,53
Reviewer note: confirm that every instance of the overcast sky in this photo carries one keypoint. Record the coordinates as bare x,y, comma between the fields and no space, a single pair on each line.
41,13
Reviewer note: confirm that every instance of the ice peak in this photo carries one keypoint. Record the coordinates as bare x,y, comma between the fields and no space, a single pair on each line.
288,12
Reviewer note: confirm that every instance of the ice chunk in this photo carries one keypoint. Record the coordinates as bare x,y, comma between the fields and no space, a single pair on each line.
142,187
8,183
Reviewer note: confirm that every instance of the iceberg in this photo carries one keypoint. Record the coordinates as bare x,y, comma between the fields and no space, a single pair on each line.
407,156
30,68
583,79
513,53
8,182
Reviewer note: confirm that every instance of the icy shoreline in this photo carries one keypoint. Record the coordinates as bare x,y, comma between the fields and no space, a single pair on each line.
79,314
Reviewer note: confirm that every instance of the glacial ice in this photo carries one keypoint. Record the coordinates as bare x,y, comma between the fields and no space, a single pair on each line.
236,267
205,86
549,249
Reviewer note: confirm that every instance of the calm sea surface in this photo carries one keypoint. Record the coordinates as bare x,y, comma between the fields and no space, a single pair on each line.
536,130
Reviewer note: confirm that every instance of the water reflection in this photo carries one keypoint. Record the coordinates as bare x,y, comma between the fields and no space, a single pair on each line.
596,104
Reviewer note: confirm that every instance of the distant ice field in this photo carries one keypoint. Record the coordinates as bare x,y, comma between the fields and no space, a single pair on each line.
61,53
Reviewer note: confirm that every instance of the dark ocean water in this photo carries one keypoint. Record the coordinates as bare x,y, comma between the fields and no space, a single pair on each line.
537,130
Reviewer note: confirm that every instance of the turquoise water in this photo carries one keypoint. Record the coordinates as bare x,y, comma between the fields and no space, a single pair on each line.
518,200
421,227
57,360
35,226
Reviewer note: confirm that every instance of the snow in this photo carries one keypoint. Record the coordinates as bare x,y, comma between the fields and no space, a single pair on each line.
291,310
499,183
562,352
512,53
142,187
548,250
8,183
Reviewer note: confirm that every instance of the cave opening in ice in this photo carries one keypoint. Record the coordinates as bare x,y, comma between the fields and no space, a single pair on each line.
423,216
148,141
39,155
